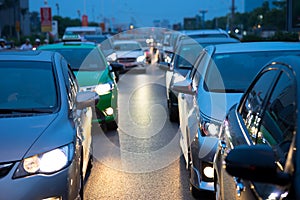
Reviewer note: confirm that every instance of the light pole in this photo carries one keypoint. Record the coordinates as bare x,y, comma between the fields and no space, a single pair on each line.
57,8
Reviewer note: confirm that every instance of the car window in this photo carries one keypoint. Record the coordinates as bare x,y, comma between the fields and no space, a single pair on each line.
83,59
187,55
27,85
278,121
242,66
251,109
197,71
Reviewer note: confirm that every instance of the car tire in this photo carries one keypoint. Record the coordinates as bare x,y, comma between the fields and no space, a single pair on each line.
195,192
173,114
109,126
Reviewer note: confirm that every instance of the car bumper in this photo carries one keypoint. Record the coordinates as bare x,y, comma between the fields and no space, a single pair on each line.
106,109
130,65
61,185
203,151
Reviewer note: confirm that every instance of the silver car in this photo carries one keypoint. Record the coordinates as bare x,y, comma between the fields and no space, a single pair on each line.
130,53
220,77
45,123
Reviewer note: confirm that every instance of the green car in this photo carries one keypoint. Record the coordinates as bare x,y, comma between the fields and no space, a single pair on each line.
93,73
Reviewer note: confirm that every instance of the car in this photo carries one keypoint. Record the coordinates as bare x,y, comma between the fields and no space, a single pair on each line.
166,51
106,46
221,75
45,127
130,53
93,74
185,55
257,156
83,30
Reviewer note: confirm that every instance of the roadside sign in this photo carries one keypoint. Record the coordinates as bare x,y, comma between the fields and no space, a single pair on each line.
84,20
46,19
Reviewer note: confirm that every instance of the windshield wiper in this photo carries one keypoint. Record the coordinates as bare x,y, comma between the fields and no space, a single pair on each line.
25,110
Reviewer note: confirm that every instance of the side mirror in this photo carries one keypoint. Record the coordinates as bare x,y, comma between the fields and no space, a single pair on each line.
183,87
86,99
255,163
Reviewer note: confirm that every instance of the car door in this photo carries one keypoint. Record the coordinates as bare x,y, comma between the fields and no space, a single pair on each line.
277,125
82,118
268,112
187,116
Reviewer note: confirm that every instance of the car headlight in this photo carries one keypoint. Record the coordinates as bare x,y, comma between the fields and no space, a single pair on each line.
209,128
104,88
112,57
46,163
140,59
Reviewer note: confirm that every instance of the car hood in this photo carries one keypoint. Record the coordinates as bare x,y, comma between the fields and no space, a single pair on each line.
129,54
18,134
89,78
215,105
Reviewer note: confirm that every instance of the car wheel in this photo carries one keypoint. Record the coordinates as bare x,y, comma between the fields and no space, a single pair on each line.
173,114
195,192
109,126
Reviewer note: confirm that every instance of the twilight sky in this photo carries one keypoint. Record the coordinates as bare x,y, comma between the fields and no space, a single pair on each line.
140,12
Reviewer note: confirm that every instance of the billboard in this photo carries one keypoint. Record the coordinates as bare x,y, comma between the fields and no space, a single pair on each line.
46,19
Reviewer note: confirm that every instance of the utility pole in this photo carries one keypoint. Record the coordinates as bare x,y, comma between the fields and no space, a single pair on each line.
232,16
203,12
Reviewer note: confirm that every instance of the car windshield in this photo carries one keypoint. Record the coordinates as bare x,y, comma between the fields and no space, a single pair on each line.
127,47
233,72
83,59
187,55
27,87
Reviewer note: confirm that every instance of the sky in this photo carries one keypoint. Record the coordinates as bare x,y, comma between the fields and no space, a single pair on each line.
141,13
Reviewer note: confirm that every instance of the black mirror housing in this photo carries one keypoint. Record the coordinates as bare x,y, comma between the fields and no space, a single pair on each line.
255,163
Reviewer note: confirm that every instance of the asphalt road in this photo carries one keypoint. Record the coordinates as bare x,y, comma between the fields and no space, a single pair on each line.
142,160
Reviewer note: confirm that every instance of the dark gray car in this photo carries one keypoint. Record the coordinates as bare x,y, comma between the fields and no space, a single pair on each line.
45,123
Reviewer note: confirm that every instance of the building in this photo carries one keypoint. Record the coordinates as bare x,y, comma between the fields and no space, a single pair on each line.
250,5
14,18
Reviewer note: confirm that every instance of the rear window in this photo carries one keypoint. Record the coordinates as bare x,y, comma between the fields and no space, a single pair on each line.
28,85
83,59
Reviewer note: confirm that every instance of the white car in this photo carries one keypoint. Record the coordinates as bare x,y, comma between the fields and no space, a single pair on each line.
218,80
130,53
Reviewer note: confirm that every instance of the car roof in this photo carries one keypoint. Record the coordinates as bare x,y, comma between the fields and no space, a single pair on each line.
212,40
15,55
204,32
61,45
125,42
254,46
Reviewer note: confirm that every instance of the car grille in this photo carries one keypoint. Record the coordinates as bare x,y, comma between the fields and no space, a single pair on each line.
5,168
126,60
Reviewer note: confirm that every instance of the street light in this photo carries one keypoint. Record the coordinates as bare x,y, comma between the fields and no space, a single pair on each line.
57,8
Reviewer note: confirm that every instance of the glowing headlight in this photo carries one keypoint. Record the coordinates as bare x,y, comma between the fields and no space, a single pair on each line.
109,111
140,59
105,88
48,162
208,172
112,57
210,129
